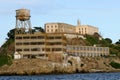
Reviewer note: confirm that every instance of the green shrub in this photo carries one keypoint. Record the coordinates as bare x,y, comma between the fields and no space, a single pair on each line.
92,40
115,65
4,59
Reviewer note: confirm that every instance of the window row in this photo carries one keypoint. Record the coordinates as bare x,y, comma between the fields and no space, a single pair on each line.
87,54
40,49
82,29
53,43
52,30
31,43
81,32
33,49
31,37
88,48
51,26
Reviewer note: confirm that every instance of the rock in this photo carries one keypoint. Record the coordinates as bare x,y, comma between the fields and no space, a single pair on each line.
72,65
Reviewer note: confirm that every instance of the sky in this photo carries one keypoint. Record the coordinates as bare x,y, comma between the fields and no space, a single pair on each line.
104,14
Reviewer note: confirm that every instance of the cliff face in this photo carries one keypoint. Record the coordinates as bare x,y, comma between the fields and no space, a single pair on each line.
38,66
99,64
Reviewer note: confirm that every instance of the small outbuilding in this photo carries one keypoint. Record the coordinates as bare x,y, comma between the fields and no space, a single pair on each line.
17,55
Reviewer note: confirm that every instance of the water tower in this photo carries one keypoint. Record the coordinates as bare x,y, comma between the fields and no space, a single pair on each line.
23,23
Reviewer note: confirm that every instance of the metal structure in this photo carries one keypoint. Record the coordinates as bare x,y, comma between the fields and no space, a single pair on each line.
23,23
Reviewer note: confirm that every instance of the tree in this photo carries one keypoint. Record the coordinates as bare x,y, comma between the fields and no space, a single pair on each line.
11,34
39,29
108,40
118,42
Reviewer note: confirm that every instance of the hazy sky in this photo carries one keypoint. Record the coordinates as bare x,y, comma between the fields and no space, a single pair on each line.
104,14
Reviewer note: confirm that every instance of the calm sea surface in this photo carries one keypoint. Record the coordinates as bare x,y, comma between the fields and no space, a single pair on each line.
86,76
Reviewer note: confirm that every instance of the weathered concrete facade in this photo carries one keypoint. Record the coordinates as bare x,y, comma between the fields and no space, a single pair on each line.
40,45
87,51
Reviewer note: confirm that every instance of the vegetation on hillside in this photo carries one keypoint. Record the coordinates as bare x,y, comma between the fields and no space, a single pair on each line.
107,42
7,49
115,65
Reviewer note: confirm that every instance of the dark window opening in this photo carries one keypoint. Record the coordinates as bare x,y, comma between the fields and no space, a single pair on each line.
26,37
33,37
18,49
18,37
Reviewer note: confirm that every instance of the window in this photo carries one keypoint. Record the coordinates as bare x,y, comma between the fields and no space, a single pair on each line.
51,26
33,43
59,37
84,48
50,37
26,49
58,43
81,48
91,49
97,49
41,55
33,37
100,49
18,37
47,49
55,30
41,43
40,37
34,49
18,43
26,43
94,49
43,49
58,49
47,26
18,50
87,48
51,30
26,37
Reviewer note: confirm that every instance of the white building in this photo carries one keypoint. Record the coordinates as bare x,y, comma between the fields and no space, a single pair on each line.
67,28
86,29
17,55
59,28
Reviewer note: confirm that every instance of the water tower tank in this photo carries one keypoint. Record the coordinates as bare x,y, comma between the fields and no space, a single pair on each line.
23,14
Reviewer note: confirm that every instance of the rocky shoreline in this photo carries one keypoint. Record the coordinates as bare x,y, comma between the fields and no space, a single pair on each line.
73,65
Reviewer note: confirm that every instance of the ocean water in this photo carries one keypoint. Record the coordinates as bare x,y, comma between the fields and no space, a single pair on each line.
80,76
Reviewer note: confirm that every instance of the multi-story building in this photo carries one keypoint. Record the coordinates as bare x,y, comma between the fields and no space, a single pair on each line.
40,44
86,29
59,28
87,51
67,28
